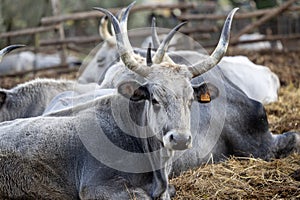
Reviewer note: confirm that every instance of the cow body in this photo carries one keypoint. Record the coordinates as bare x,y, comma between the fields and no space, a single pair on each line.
232,125
70,99
44,157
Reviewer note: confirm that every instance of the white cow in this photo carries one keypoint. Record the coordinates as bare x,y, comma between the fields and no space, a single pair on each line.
257,81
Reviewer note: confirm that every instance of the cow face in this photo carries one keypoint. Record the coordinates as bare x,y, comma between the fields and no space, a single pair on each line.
169,108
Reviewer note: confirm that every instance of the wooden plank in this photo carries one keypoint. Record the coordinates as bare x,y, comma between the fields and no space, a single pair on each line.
97,14
28,31
270,38
256,13
92,39
75,40
265,18
56,8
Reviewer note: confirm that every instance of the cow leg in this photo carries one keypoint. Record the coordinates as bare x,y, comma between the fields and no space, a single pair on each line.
285,144
160,188
160,185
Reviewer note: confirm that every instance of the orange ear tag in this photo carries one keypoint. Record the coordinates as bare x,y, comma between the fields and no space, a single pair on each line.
205,98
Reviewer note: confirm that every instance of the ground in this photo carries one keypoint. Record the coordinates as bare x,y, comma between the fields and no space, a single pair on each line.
242,178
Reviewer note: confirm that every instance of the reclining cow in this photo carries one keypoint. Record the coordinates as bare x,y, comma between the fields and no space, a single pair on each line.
68,157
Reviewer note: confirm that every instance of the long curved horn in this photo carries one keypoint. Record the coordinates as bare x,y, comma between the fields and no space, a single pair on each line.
104,33
155,39
160,53
119,15
125,51
9,49
124,23
203,66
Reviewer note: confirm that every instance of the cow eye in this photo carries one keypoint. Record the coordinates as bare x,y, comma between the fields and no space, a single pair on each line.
100,61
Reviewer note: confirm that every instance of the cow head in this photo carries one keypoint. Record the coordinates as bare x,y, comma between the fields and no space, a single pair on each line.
168,88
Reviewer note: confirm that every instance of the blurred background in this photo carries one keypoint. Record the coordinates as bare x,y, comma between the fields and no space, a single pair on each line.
70,28
74,22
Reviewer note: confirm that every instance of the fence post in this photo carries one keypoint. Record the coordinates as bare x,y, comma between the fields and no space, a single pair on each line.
56,7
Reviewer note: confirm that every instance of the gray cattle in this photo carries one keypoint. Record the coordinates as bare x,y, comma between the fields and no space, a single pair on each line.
233,124
31,98
69,157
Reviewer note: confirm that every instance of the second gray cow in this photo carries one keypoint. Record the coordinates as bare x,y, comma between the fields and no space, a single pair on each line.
31,98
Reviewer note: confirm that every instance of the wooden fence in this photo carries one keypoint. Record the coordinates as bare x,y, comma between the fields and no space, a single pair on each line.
56,22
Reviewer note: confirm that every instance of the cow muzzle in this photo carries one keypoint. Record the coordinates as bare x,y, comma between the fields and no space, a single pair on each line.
178,140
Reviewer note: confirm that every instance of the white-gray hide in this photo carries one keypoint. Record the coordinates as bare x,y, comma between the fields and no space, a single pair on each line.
58,151
31,98
105,57
257,81
70,99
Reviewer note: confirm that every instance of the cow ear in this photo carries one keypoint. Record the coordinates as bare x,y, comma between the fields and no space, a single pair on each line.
2,98
134,90
205,92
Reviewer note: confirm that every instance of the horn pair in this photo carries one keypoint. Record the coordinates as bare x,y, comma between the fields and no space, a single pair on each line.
128,57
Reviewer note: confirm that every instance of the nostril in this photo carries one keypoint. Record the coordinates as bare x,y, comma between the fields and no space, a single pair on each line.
190,139
171,138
